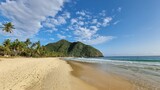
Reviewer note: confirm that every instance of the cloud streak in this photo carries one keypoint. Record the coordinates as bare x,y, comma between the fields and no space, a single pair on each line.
27,15
31,16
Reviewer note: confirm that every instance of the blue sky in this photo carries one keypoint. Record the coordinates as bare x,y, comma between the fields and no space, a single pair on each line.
116,27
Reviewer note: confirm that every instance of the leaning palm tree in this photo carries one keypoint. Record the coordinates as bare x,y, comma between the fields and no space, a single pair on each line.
28,42
38,47
8,27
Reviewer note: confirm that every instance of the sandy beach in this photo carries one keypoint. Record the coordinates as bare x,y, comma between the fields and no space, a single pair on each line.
55,74
38,74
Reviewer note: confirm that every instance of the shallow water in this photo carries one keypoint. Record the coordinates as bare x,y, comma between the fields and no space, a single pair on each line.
144,71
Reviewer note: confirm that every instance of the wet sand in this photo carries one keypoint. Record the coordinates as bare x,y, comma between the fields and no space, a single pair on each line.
100,79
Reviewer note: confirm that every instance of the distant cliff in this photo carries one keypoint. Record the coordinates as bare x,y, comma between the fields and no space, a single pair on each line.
76,49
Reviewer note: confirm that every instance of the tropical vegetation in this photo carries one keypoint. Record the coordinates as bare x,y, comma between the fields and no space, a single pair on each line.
73,49
20,48
62,48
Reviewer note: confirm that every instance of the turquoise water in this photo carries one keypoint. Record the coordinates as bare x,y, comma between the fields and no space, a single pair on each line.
135,58
143,70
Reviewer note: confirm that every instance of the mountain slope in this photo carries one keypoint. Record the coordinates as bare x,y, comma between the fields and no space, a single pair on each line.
76,49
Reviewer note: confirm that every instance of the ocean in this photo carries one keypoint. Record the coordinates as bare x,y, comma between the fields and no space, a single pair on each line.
141,70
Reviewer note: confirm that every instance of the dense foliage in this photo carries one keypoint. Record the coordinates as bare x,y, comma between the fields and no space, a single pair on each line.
76,49
61,48
19,48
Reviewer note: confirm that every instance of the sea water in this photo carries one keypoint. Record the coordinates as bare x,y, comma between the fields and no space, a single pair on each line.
141,70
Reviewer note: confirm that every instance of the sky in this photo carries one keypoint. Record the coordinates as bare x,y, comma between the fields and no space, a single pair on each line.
115,27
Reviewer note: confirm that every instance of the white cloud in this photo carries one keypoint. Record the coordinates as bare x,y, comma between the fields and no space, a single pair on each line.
66,14
94,28
106,21
81,23
51,30
61,36
27,15
61,20
98,40
53,22
90,36
94,21
85,27
77,21
73,21
81,18
84,33
81,13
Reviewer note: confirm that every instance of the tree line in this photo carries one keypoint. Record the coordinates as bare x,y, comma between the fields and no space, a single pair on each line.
23,48
19,48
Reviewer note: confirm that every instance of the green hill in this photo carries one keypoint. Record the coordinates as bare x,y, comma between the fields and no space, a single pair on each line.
76,49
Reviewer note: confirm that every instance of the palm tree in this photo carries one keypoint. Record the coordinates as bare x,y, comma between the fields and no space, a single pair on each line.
8,27
19,46
43,51
28,42
38,44
38,47
14,47
22,47
7,44
33,45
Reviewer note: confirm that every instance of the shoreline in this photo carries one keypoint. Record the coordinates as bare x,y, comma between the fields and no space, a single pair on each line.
127,72
57,74
98,78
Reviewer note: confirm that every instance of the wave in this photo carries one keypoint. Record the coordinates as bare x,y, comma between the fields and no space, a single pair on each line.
117,61
152,67
146,69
